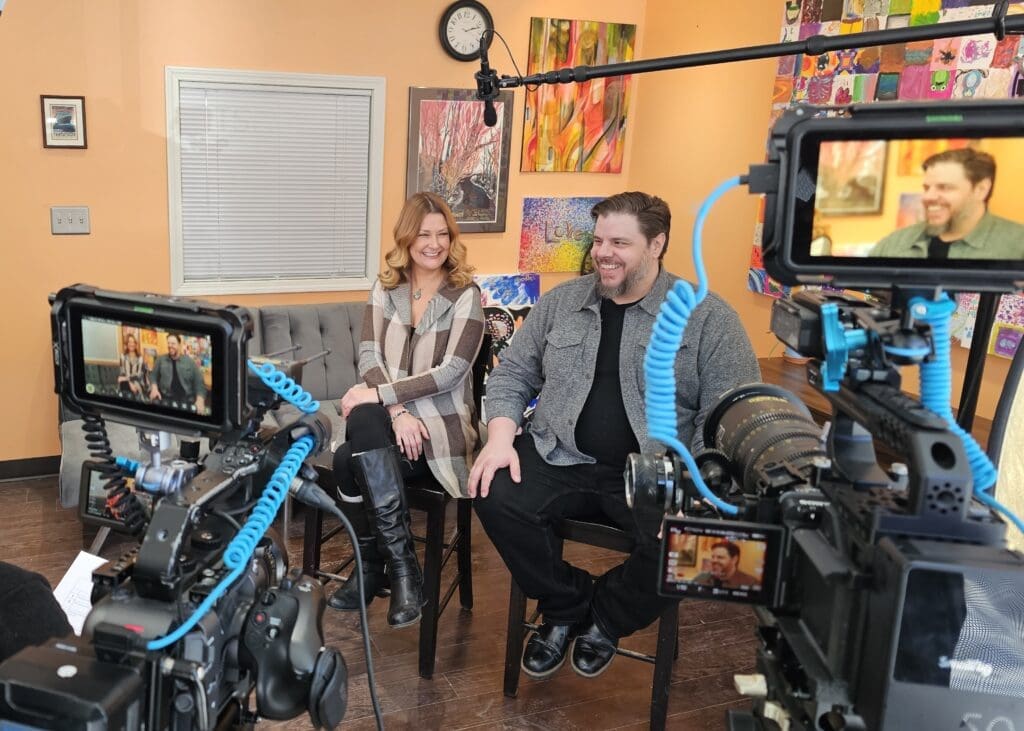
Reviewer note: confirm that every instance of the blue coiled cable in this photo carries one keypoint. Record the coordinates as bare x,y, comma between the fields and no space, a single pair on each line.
238,552
285,387
936,386
666,338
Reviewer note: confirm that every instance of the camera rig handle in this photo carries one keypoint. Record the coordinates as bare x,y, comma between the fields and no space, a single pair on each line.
282,643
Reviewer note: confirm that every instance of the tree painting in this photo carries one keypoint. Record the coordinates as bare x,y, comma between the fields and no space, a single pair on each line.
454,154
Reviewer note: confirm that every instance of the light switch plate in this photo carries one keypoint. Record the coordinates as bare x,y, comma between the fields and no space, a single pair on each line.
69,220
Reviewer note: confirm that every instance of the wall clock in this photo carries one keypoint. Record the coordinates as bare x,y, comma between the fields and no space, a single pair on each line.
462,24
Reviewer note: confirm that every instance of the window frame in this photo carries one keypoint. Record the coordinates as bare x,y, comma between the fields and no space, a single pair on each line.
375,85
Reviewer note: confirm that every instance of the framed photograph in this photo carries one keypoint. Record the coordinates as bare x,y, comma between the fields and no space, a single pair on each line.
851,177
63,121
454,154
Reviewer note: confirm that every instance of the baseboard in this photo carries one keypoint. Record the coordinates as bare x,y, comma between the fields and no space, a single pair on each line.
20,469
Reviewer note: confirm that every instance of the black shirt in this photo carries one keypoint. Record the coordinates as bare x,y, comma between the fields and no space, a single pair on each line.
938,249
177,389
603,431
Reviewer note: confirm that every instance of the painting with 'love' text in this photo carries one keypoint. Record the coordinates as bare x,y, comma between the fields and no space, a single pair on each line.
557,233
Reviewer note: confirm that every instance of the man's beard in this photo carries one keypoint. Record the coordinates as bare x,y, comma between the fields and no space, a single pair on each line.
955,219
628,282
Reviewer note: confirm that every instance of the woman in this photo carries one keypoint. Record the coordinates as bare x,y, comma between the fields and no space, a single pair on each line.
131,379
421,333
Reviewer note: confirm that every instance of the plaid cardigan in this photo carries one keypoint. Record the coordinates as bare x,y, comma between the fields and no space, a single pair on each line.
428,370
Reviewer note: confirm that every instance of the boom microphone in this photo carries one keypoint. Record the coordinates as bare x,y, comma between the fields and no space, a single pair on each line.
486,83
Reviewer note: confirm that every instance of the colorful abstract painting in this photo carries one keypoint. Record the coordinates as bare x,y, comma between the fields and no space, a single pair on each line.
508,290
950,68
452,152
557,233
576,127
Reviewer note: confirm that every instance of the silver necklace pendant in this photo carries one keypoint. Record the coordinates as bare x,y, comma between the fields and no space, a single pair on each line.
418,293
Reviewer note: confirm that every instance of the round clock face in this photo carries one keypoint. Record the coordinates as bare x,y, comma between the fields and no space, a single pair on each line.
462,25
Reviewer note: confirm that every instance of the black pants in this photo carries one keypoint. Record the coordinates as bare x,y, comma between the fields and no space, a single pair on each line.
369,427
520,518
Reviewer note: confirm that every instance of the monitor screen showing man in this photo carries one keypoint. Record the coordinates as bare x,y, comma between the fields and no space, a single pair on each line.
720,560
932,199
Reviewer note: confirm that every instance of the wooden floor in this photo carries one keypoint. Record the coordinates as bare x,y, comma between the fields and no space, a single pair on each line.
716,641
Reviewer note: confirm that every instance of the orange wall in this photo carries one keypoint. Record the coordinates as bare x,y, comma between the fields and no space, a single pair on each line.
689,130
113,52
698,127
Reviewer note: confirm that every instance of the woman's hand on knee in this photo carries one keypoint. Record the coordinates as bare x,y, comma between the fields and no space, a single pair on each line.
357,396
409,435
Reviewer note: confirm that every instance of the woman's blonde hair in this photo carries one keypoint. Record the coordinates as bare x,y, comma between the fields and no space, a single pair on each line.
407,229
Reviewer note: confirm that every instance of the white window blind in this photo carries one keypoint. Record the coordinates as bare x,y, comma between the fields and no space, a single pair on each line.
274,181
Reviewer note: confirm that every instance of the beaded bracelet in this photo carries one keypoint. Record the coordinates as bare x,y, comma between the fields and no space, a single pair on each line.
395,416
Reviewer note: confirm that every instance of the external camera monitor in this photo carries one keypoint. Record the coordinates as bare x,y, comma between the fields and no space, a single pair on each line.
904,194
720,560
170,364
95,506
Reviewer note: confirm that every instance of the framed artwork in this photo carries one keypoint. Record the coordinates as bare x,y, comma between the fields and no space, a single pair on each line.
63,121
454,154
577,127
557,233
851,176
683,549
508,290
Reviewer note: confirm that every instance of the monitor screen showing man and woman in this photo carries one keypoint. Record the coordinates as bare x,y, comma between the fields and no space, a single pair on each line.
141,365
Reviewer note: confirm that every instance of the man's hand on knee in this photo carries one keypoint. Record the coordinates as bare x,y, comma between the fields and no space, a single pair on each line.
498,453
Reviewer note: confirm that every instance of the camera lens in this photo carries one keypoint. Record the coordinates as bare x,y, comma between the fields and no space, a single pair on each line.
759,426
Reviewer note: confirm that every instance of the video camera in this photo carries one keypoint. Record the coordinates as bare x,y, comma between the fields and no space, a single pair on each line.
886,597
204,614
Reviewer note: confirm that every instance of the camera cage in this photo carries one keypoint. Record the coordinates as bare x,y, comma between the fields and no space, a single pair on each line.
794,147
224,329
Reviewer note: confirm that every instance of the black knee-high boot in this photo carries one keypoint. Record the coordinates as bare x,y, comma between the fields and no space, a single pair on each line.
380,479
375,583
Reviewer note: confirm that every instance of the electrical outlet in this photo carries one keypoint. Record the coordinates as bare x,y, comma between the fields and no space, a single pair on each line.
69,220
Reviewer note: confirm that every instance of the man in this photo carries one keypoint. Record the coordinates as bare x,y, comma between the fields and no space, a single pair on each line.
725,572
957,225
176,378
581,349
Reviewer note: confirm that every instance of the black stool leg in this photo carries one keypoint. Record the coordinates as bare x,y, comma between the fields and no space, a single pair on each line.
668,643
311,537
464,523
514,641
431,586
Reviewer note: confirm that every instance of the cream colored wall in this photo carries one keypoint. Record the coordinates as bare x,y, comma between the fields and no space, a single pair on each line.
697,127
113,52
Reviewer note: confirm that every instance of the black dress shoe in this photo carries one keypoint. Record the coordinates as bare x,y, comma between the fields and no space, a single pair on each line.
592,652
545,651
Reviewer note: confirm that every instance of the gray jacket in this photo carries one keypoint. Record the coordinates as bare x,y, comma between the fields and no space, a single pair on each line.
554,354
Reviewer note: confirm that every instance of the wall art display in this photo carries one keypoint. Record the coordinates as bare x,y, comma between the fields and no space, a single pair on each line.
454,154
63,121
972,67
576,127
508,290
557,233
